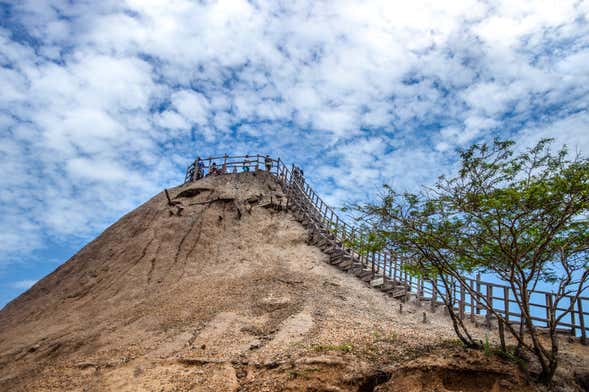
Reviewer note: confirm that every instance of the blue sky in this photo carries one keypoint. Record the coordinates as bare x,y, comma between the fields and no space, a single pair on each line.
103,104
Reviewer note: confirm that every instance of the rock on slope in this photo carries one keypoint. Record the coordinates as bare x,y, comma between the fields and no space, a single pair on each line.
218,293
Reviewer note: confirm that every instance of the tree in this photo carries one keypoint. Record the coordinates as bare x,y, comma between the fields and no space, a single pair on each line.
522,217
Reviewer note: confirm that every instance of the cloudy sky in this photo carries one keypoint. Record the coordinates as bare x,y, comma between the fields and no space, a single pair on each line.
104,103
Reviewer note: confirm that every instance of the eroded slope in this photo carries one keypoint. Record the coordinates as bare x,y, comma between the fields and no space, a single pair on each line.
219,292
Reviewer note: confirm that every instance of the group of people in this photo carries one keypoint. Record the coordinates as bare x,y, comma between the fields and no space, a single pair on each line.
215,170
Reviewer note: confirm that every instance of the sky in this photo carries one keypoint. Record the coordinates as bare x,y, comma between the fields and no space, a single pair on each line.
104,103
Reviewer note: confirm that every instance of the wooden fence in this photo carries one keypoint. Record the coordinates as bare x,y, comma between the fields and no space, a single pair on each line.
385,266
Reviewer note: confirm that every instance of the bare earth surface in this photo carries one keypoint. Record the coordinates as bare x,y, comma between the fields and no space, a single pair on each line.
228,296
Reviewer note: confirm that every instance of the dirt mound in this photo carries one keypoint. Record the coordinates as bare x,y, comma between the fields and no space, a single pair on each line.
217,292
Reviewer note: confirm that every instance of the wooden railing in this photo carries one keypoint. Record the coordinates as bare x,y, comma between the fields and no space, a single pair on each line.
231,163
387,266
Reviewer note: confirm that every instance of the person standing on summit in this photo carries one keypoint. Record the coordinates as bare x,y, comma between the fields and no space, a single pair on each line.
268,162
214,170
200,169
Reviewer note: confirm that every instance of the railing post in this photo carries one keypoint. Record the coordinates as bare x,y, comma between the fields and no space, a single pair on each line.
506,302
462,300
478,291
448,302
572,312
489,305
364,253
582,321
434,294
378,262
330,217
395,264
472,301
548,309
360,250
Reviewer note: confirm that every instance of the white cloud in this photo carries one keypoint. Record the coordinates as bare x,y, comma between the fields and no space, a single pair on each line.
193,106
110,93
172,120
572,131
92,170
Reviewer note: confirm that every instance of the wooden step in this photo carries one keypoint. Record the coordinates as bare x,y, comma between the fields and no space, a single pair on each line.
345,264
326,247
356,267
325,244
340,255
367,278
398,293
337,255
377,281
315,239
391,286
385,288
330,251
364,273
333,250
320,240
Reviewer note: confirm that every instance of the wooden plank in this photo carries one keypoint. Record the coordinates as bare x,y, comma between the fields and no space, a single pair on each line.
548,309
330,218
472,301
572,312
478,291
489,295
395,268
506,302
462,300
434,295
582,321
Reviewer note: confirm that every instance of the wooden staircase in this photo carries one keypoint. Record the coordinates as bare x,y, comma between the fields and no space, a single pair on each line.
347,260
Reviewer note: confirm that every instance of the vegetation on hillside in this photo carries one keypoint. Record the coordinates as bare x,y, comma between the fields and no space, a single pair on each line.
522,216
